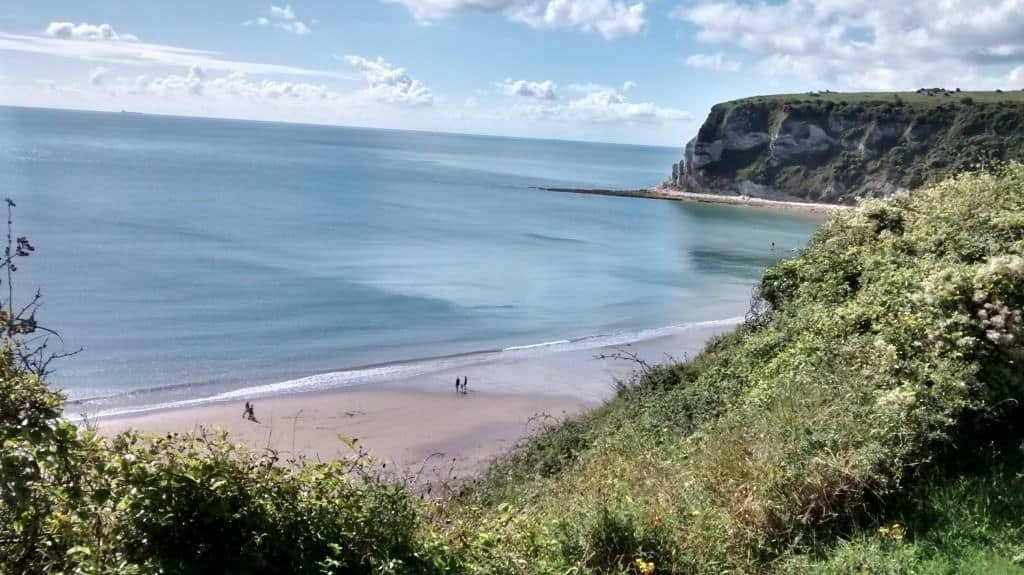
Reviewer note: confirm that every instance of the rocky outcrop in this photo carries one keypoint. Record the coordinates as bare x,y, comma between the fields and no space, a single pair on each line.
837,148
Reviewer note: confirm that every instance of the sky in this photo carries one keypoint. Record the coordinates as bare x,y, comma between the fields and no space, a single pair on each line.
629,71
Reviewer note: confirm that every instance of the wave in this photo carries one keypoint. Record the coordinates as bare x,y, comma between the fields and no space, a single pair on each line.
534,345
408,368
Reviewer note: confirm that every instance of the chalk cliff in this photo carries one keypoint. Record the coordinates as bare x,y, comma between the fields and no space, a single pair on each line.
836,148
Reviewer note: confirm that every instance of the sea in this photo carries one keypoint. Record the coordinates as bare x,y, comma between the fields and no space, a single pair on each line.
188,259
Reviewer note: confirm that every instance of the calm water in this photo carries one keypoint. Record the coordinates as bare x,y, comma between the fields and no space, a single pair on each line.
193,255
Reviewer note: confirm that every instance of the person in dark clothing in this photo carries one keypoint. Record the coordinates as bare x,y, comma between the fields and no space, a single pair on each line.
458,385
250,412
465,382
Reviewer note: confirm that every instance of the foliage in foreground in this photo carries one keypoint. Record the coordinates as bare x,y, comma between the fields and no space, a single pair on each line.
73,502
861,422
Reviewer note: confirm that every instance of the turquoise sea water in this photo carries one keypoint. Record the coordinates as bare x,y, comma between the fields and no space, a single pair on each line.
192,256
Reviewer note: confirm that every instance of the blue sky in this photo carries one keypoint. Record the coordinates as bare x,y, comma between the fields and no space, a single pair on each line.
635,71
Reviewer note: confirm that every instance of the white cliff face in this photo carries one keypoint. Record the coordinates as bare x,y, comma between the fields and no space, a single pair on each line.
797,138
776,139
740,133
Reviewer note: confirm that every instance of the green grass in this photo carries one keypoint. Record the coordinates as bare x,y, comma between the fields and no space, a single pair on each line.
967,523
926,98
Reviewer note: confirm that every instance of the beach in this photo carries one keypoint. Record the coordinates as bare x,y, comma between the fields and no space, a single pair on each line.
342,278
675,194
748,201
419,426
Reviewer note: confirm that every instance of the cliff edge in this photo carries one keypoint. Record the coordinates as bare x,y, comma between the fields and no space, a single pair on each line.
839,147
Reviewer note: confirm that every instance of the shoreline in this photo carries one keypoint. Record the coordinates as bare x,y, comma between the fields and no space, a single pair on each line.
665,193
406,371
415,418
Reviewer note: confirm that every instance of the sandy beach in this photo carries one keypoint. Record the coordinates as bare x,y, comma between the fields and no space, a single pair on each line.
418,424
675,194
748,201
440,432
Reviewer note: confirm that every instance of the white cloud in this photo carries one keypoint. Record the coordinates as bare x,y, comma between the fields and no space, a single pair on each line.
628,85
718,62
601,104
173,84
282,18
524,88
197,83
144,54
610,18
86,31
285,13
390,84
97,75
597,104
867,44
587,88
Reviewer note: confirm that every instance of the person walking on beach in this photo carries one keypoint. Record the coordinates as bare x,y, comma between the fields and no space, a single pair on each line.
465,382
458,385
250,412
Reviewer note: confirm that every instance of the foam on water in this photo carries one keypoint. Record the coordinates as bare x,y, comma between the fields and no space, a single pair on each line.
409,369
535,345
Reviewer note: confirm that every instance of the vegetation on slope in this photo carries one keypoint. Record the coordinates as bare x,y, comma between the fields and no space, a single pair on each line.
884,352
865,419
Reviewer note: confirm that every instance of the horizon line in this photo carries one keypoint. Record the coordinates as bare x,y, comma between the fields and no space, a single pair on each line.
334,125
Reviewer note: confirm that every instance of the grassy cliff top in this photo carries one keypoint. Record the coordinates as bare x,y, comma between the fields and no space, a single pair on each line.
924,97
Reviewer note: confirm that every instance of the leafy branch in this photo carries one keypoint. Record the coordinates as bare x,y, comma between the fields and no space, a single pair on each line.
31,341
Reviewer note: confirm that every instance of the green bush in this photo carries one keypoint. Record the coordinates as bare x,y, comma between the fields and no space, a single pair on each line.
199,504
